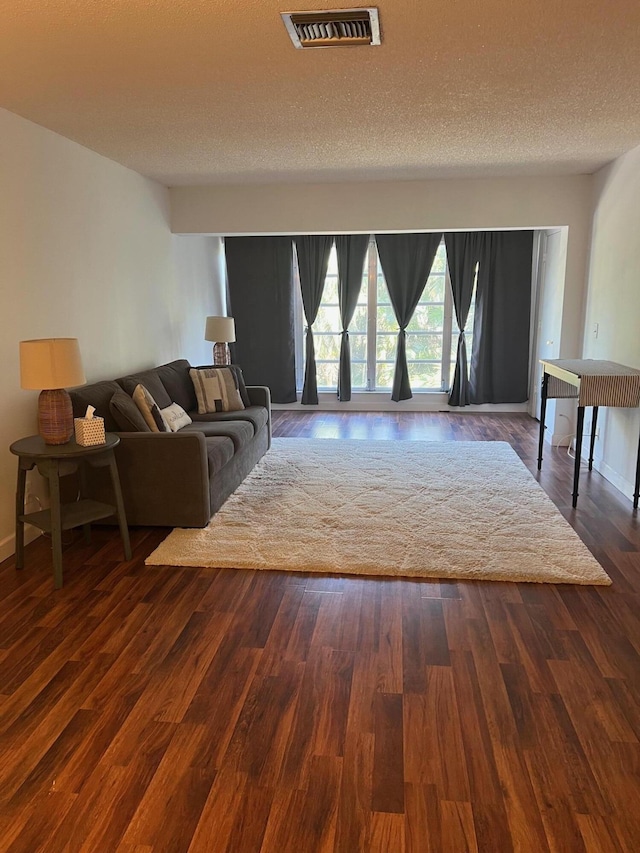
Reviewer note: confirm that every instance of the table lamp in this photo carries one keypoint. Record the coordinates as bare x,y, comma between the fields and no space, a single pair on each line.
48,365
221,331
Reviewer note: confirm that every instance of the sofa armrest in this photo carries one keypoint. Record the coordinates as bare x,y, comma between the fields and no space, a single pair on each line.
164,476
260,395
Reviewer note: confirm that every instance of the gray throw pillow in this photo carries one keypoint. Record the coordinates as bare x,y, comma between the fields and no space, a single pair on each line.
126,414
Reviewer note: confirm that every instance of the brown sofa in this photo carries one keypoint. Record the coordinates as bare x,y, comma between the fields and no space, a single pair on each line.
178,479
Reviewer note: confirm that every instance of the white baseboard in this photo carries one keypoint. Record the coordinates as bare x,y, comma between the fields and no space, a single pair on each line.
621,483
8,544
557,439
373,401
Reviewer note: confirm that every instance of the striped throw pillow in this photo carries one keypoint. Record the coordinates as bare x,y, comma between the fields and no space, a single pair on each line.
217,389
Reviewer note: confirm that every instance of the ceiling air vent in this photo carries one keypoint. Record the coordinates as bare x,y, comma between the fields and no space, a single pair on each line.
333,28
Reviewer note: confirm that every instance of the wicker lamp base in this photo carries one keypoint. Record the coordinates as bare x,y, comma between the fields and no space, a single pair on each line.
55,416
221,354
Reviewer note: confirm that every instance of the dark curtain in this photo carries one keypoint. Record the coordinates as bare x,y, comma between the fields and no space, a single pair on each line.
406,261
500,358
351,250
260,288
313,258
463,253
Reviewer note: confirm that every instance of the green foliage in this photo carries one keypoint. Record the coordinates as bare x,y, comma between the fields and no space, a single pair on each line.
327,346
425,376
427,318
424,347
358,376
327,375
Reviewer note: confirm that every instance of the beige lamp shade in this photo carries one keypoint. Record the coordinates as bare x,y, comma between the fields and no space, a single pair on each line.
50,363
220,330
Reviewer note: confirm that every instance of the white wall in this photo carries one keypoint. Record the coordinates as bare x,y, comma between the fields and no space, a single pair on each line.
200,280
613,303
85,251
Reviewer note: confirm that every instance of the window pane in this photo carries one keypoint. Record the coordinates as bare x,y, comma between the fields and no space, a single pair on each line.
440,260
387,320
327,346
330,292
470,318
424,346
424,376
358,376
384,375
359,322
358,345
386,347
327,375
427,318
383,293
328,320
434,289
452,373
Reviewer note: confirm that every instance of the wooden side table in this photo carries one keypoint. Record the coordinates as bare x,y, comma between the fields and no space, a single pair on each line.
53,462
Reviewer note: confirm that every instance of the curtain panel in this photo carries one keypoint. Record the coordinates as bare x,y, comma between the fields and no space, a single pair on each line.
313,259
260,289
463,253
351,250
406,261
500,359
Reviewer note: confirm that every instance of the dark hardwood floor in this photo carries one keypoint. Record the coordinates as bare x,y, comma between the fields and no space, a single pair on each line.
168,709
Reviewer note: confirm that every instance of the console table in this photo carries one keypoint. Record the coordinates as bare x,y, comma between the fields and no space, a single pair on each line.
593,383
53,462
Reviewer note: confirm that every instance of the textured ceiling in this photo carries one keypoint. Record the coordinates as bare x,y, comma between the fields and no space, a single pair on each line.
212,91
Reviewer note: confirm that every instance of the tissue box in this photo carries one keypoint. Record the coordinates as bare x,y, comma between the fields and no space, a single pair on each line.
89,431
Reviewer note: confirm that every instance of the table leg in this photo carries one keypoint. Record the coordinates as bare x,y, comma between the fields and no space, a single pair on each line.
56,522
594,421
576,468
543,412
86,528
122,521
20,493
636,493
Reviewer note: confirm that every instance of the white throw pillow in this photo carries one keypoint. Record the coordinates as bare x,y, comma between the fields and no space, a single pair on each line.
175,416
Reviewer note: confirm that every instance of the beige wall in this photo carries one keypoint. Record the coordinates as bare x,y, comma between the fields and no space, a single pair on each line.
405,206
86,251
560,202
614,304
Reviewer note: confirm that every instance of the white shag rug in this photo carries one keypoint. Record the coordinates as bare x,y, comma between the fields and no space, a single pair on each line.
400,508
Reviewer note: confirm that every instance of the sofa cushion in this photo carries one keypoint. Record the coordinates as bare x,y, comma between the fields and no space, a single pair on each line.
98,395
153,384
219,452
126,414
150,410
175,378
257,415
240,432
216,389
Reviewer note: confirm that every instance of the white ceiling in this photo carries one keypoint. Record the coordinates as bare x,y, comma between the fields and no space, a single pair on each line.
213,91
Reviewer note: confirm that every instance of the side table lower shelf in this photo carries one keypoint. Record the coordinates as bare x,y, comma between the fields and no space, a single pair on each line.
75,514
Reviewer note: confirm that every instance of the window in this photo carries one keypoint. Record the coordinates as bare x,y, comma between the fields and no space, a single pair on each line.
432,334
